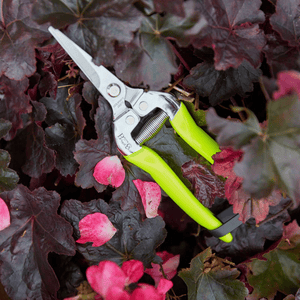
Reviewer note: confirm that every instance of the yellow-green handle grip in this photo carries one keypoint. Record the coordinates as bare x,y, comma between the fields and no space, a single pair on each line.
152,163
193,135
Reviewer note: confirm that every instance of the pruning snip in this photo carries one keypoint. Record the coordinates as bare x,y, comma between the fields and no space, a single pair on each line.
137,117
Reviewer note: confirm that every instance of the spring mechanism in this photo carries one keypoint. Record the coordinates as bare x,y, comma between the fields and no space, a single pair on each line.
151,127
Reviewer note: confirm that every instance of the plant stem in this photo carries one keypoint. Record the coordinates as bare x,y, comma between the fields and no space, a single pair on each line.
264,90
179,56
114,249
240,113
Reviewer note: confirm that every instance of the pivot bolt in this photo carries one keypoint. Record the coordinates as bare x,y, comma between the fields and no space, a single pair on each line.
130,120
113,90
143,105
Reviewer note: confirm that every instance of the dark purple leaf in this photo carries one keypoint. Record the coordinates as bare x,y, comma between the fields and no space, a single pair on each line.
249,239
94,26
62,139
178,219
286,21
127,194
137,66
68,273
134,239
8,177
91,94
19,35
206,184
35,230
39,111
88,154
14,103
66,121
65,110
54,59
221,85
39,158
5,127
150,59
48,84
233,32
280,56
174,7
104,125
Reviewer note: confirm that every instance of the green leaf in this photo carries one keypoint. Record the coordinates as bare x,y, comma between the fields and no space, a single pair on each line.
278,269
211,277
233,133
272,155
8,177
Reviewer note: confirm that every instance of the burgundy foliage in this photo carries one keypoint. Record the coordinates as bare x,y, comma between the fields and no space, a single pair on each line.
74,212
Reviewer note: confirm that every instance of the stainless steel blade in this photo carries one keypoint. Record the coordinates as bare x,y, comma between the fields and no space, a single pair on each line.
80,57
111,88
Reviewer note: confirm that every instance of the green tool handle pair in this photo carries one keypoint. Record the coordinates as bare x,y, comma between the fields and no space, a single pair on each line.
152,163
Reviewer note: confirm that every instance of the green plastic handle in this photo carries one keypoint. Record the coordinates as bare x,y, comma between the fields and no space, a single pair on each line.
151,162
193,135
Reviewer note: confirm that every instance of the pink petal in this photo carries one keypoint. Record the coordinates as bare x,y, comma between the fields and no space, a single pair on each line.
134,270
155,273
164,285
170,265
146,292
117,293
105,276
96,228
109,170
151,195
165,255
4,215
288,83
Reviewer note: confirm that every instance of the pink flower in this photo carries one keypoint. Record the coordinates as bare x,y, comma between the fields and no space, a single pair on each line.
151,195
109,280
109,170
96,228
145,291
170,265
4,215
133,270
288,82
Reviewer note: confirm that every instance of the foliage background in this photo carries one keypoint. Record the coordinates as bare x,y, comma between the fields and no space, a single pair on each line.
55,127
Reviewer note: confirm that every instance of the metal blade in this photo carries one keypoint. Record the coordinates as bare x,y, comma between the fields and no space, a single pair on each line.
80,57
